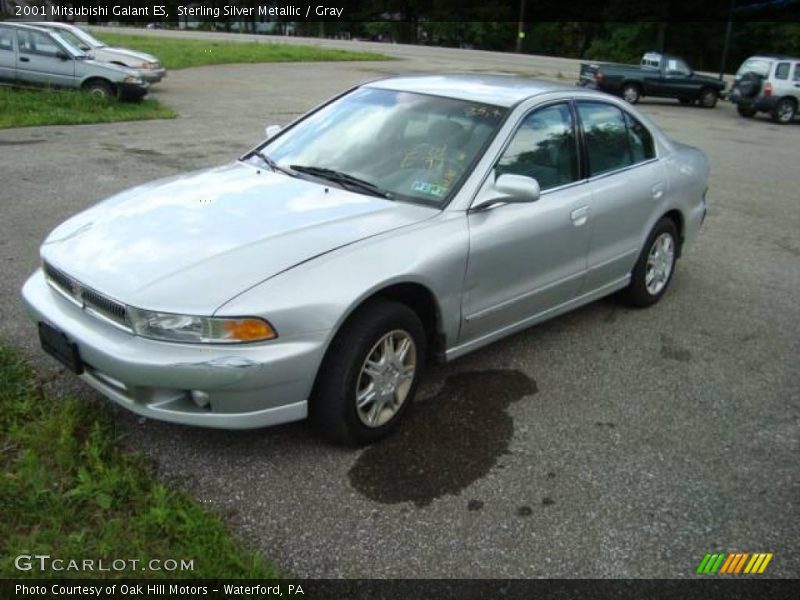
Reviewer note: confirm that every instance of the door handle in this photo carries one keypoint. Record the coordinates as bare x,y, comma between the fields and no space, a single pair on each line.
580,216
658,190
24,59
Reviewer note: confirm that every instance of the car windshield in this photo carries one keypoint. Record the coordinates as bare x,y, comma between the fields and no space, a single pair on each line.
87,38
72,39
414,146
759,66
70,45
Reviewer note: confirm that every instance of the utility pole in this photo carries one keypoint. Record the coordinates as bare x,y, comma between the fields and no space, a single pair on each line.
521,25
726,43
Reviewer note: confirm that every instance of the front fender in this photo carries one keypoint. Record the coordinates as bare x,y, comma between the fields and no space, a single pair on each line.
321,294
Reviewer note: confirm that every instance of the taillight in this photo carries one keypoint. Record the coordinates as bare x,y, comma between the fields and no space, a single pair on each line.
768,89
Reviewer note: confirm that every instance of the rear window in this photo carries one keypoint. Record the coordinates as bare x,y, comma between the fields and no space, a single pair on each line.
759,66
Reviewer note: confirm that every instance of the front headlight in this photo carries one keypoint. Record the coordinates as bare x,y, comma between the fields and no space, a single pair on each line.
132,79
203,330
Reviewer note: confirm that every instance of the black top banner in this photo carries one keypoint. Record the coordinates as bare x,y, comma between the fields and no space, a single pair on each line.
406,11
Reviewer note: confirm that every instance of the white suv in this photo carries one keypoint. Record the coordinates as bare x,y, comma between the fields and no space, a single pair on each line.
768,84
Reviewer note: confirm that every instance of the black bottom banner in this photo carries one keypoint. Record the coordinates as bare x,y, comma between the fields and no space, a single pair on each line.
390,589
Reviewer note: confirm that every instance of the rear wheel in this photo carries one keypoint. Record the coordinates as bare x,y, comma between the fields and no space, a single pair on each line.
653,271
370,374
746,111
708,98
631,93
784,111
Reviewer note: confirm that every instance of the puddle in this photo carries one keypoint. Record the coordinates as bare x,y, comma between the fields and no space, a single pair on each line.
446,442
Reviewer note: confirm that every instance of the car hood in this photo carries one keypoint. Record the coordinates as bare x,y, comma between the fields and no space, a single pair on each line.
191,243
107,52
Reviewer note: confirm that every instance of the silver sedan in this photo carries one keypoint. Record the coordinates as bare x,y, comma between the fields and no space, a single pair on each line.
406,220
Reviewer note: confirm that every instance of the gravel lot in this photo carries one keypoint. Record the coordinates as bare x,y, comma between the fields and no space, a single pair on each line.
605,443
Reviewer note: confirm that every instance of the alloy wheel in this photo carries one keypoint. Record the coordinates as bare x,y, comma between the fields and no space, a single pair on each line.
660,261
385,378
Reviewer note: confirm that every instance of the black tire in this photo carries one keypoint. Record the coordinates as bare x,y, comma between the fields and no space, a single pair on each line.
784,111
631,93
708,98
686,101
637,293
333,410
746,111
100,88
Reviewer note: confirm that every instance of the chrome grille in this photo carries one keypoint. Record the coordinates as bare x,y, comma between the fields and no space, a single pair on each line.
90,300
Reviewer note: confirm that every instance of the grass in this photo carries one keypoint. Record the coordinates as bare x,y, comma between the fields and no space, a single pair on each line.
177,53
26,108
67,490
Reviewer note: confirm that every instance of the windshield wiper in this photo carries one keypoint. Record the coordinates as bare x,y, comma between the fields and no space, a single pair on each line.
272,164
344,179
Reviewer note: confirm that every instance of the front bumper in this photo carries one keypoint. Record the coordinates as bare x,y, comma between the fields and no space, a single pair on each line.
247,386
132,91
152,75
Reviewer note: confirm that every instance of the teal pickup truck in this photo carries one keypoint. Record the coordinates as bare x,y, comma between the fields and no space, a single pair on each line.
658,75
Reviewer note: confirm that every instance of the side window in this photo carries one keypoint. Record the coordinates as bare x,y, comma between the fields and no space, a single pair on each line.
640,139
797,71
543,147
34,42
782,71
677,67
6,39
606,136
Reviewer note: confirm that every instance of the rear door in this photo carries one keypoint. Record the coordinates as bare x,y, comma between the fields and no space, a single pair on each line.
627,183
43,61
783,84
8,55
796,81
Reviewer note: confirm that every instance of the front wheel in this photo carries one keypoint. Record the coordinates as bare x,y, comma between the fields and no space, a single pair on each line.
654,268
99,88
370,374
708,98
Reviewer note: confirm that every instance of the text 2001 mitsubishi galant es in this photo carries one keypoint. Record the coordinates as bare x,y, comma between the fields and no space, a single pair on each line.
407,219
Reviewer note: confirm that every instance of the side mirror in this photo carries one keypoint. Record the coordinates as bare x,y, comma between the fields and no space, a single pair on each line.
508,189
272,131
62,55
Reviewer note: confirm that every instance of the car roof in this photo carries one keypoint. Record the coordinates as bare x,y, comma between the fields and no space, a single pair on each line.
30,26
52,25
772,57
500,90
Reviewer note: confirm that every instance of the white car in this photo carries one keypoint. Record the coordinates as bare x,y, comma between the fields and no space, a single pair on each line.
147,66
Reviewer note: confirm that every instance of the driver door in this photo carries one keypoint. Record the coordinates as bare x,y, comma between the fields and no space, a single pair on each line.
39,62
529,258
678,80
